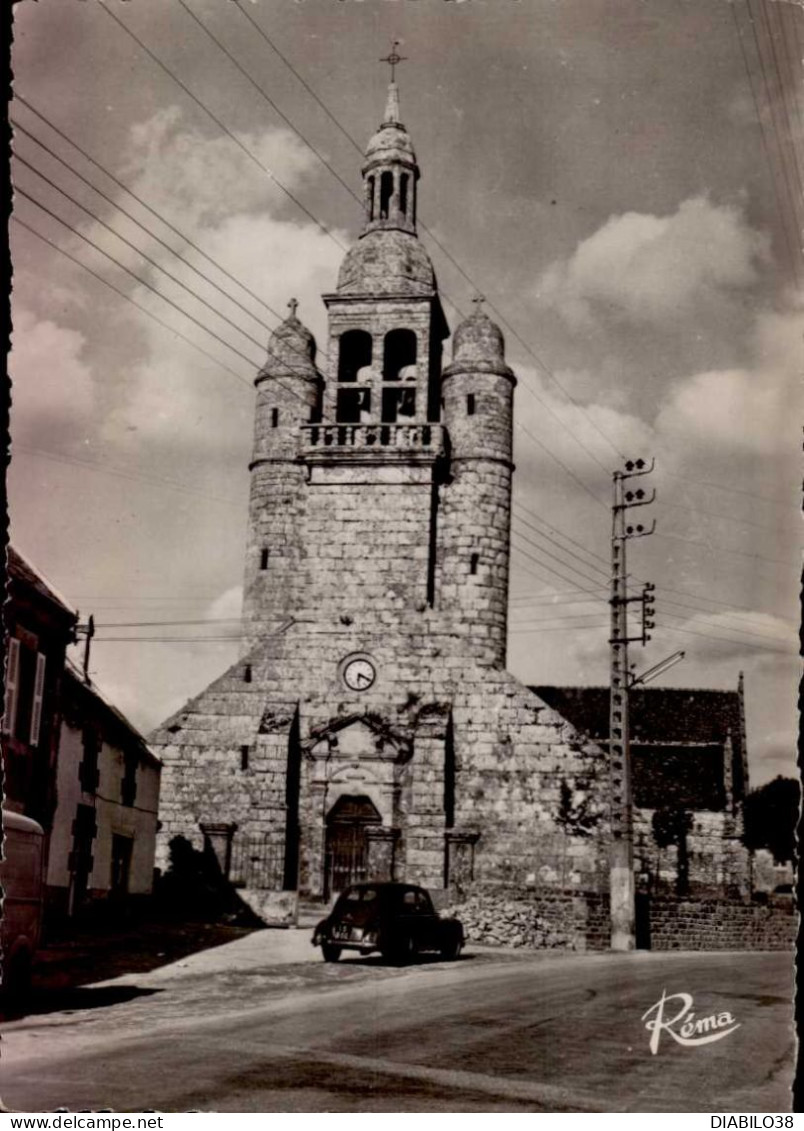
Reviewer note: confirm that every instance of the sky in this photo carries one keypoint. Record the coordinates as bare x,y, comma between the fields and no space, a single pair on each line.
621,179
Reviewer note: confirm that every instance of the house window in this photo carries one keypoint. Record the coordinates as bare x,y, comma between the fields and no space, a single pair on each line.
399,352
128,785
470,404
354,354
264,555
88,772
274,417
25,687
247,673
473,563
244,752
121,865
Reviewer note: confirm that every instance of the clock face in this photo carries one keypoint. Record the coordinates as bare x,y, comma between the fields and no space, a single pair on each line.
359,674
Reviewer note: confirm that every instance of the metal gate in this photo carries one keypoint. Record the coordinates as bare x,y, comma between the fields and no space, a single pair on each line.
257,863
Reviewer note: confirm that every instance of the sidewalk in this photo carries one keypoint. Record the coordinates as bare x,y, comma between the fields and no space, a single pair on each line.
268,947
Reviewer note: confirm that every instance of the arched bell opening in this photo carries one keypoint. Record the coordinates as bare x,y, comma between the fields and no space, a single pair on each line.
386,193
399,354
354,354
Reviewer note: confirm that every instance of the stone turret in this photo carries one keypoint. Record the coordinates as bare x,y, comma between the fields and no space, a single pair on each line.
288,395
477,392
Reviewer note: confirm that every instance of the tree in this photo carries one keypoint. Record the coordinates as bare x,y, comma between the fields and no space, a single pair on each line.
771,816
670,826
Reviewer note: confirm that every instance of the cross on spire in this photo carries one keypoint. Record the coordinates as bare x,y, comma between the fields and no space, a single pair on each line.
293,304
394,59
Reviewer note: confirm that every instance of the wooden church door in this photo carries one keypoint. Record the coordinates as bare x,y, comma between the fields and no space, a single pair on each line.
346,857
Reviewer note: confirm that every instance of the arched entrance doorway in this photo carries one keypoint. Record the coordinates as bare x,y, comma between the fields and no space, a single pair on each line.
346,860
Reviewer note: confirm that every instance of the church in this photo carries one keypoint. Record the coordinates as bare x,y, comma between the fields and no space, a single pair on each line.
370,728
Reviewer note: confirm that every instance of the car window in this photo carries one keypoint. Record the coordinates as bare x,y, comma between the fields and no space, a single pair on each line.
424,904
359,895
416,902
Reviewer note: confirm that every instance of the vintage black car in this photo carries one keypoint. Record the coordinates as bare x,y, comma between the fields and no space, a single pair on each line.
398,920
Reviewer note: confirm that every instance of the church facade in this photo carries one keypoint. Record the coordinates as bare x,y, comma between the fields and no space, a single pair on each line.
370,727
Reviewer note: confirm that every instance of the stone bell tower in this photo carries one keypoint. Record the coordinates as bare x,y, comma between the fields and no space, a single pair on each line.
386,324
370,727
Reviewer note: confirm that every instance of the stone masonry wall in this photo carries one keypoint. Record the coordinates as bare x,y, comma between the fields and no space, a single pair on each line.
535,788
539,919
718,861
712,924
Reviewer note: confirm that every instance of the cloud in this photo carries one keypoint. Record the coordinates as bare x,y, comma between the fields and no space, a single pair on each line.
747,408
52,384
724,407
228,605
187,174
175,395
645,268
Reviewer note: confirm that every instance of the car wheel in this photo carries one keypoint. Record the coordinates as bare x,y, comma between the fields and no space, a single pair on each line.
331,953
402,952
452,949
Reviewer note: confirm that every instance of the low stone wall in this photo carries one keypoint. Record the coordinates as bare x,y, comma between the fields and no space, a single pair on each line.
711,924
567,920
572,920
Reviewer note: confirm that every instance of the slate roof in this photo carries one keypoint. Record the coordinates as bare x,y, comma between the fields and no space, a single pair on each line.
659,716
77,688
20,569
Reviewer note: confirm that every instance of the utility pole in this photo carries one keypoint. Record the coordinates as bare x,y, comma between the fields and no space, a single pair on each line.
87,631
621,858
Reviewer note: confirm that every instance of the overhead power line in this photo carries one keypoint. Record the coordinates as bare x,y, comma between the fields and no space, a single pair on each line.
724,639
120,473
21,192
554,541
302,207
793,258
143,204
21,129
528,554
138,250
545,404
718,547
128,298
431,235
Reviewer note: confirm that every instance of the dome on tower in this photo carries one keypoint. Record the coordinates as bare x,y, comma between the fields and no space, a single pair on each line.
291,350
387,261
391,142
478,344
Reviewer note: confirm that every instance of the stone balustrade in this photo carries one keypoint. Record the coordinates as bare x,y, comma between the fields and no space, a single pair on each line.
365,437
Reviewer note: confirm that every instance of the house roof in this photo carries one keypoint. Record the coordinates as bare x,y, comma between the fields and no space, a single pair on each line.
20,569
78,686
658,715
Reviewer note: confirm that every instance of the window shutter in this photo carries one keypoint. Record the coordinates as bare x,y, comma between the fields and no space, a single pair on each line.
12,686
39,687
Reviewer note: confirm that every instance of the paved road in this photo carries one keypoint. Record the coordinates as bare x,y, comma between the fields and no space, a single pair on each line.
491,1032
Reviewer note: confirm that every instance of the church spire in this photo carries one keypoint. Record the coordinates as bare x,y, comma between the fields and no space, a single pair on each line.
391,116
390,172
